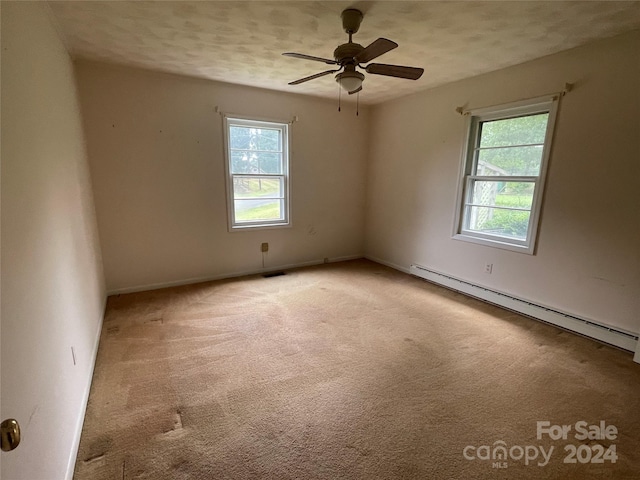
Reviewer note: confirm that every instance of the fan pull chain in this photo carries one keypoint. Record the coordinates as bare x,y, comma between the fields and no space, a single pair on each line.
358,104
339,95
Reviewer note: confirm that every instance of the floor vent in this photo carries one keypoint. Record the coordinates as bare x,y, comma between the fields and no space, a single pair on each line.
589,328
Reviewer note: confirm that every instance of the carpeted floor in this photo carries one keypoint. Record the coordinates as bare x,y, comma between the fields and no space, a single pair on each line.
348,371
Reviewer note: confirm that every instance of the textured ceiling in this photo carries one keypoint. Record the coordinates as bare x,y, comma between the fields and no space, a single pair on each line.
242,42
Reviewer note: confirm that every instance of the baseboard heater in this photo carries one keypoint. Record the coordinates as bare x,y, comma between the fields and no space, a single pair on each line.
604,333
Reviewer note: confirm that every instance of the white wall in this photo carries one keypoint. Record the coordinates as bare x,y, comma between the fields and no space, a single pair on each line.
588,256
52,285
155,148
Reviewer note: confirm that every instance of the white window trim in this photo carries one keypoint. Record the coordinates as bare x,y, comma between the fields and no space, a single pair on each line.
525,107
230,119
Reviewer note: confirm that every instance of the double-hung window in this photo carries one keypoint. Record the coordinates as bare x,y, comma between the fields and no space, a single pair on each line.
503,172
257,160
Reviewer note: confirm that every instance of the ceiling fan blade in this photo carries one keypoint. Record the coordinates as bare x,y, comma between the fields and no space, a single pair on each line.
311,77
412,73
310,57
375,49
356,90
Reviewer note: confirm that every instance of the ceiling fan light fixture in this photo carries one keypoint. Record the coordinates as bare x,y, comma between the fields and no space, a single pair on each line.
351,55
350,80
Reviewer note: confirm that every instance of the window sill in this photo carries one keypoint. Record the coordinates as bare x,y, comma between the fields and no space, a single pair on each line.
261,226
495,243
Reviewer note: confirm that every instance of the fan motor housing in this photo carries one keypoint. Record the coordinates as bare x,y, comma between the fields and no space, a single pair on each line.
345,52
351,19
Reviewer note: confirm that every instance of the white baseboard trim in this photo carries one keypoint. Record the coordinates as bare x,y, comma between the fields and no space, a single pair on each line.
589,328
222,276
71,465
636,357
388,264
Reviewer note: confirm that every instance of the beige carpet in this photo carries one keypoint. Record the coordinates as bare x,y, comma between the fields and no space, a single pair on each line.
345,371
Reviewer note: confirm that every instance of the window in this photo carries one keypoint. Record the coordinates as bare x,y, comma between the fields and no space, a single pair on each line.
257,173
503,173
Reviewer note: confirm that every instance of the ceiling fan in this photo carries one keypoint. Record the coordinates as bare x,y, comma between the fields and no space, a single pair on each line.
351,55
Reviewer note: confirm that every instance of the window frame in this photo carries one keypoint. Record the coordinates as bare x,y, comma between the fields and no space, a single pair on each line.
468,169
252,122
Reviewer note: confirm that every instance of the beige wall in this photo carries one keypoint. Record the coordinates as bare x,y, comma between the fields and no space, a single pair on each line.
588,256
155,148
52,285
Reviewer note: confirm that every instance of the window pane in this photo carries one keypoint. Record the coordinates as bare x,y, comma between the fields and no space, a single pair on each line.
240,137
257,187
253,162
269,162
514,131
515,161
269,140
496,221
243,162
256,210
503,194
248,138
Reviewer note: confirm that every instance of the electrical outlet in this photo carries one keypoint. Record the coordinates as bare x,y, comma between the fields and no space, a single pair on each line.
264,247
326,259
488,268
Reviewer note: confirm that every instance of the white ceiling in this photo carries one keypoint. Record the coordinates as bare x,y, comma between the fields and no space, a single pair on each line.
242,41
